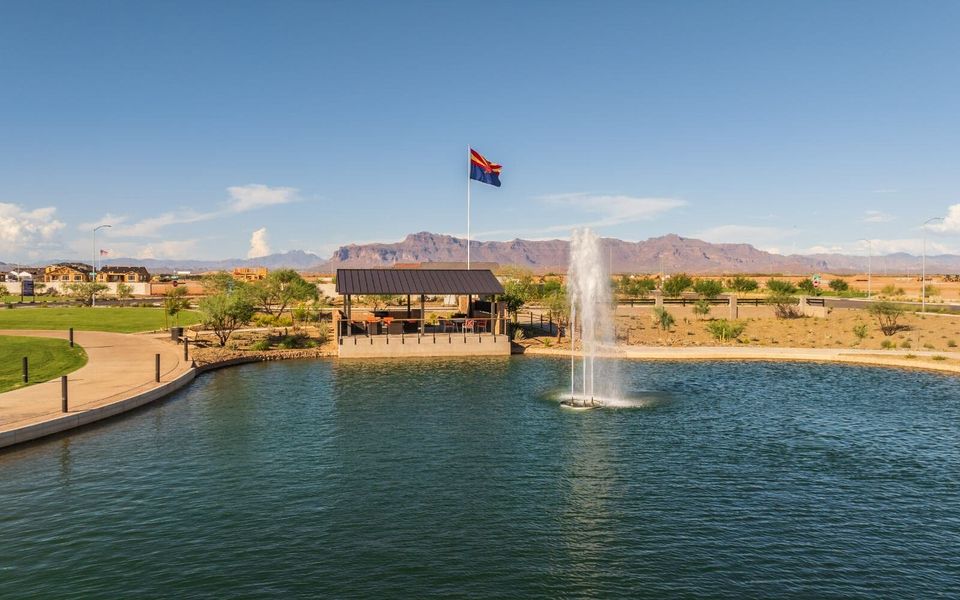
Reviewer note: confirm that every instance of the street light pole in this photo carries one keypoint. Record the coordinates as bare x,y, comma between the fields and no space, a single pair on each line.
869,268
923,266
93,265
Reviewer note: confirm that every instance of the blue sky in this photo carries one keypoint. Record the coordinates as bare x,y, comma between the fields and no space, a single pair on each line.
189,126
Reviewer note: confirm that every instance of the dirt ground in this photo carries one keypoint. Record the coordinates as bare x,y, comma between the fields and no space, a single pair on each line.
635,326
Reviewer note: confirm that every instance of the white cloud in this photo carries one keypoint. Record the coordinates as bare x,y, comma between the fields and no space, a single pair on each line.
881,247
259,244
950,223
242,199
20,229
255,195
876,216
614,209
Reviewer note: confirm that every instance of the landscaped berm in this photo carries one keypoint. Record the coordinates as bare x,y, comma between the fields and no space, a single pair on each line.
46,359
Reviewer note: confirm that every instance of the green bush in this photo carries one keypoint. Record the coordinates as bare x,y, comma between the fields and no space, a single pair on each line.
677,284
261,345
662,318
701,308
939,357
951,344
708,288
839,285
887,314
888,344
743,284
906,344
781,286
724,330
860,330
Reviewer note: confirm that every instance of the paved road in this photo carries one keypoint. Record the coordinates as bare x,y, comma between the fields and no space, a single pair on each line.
119,366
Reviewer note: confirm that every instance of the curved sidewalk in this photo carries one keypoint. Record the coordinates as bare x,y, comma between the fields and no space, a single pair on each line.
119,375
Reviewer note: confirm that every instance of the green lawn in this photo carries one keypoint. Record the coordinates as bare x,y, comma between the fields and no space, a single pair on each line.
26,299
126,319
47,359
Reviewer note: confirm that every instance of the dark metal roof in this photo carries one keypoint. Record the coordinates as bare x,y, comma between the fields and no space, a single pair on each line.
417,281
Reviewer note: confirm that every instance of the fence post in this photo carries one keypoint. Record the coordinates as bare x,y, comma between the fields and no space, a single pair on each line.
26,370
71,337
157,364
63,393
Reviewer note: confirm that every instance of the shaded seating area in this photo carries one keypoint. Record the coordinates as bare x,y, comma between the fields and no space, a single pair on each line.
478,311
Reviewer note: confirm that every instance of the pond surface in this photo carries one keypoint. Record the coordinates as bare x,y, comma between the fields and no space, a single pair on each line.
453,478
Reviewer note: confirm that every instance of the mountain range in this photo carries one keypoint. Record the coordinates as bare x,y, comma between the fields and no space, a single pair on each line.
671,253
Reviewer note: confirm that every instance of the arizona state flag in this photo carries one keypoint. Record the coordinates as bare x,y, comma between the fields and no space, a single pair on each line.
483,170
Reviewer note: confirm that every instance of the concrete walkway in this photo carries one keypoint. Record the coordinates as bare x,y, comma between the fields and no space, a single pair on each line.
119,375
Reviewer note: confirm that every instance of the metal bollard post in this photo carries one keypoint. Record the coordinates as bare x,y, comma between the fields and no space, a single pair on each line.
158,368
26,370
185,356
71,337
63,393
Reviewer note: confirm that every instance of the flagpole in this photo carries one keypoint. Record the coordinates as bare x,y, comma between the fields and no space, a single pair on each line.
468,207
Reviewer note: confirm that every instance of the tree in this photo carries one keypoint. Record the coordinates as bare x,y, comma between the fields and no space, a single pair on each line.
226,312
723,330
124,291
85,291
838,285
677,284
741,285
662,318
708,288
558,309
174,301
281,288
887,314
807,286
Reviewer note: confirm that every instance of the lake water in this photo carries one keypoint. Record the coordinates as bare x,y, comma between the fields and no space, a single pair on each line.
466,479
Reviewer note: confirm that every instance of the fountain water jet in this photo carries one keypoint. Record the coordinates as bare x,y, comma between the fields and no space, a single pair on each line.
588,288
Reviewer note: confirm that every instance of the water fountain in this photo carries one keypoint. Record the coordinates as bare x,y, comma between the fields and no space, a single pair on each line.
588,289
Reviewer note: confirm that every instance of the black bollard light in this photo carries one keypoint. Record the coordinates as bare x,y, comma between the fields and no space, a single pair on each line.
26,370
158,368
63,393
71,337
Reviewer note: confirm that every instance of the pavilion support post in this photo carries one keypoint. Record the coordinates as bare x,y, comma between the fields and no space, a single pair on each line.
347,306
408,306
423,313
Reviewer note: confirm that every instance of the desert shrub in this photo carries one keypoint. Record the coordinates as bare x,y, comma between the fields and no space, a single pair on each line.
808,287
785,306
931,290
860,330
724,330
887,314
323,332
888,344
891,290
743,284
708,288
939,357
701,308
518,334
929,346
910,356
662,318
951,344
906,344
781,286
261,345
677,284
839,285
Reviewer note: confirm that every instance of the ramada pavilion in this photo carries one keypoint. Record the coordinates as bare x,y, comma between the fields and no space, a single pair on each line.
475,326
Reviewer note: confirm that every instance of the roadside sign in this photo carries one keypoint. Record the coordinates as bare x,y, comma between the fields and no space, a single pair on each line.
26,288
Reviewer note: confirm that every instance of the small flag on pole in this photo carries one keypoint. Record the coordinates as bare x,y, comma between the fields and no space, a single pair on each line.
483,170
104,252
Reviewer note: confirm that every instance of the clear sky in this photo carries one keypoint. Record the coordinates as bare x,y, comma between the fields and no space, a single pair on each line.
214,130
